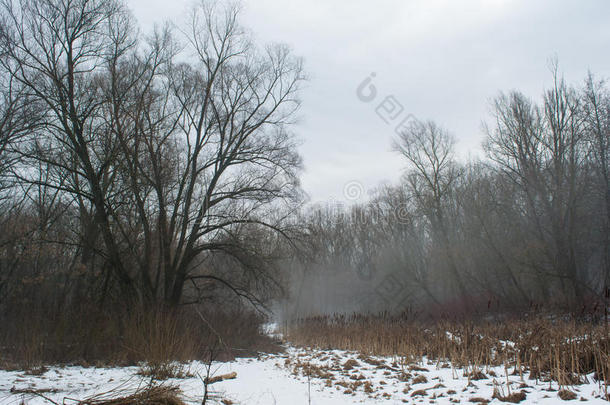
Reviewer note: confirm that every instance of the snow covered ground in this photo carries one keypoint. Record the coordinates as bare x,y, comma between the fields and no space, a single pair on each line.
300,376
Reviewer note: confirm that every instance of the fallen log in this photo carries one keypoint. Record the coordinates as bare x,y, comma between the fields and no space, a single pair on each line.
218,378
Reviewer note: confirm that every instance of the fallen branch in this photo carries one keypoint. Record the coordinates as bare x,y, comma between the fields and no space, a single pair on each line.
219,378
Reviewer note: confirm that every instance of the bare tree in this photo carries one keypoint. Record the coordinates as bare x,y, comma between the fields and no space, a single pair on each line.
597,123
167,161
543,152
432,176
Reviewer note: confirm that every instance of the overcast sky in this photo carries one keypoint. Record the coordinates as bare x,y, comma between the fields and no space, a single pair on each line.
440,59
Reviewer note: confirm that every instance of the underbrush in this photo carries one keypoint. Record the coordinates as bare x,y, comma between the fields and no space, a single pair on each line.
149,395
158,340
545,349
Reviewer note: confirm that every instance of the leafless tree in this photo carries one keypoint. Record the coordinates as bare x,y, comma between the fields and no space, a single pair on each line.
542,151
431,177
166,160
597,123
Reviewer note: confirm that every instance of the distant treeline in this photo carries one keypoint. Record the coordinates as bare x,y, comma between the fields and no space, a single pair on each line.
525,227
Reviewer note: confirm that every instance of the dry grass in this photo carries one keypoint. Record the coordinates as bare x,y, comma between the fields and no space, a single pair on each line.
147,395
163,370
567,395
514,397
151,395
545,349
157,338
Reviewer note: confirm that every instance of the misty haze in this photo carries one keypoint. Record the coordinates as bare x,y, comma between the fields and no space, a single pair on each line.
265,202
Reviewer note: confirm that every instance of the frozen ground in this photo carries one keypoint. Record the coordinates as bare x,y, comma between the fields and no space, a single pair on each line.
283,379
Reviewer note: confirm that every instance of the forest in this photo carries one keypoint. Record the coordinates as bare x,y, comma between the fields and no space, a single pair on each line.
151,202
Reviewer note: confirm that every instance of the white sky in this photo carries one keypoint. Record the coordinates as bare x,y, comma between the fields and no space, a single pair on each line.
441,59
